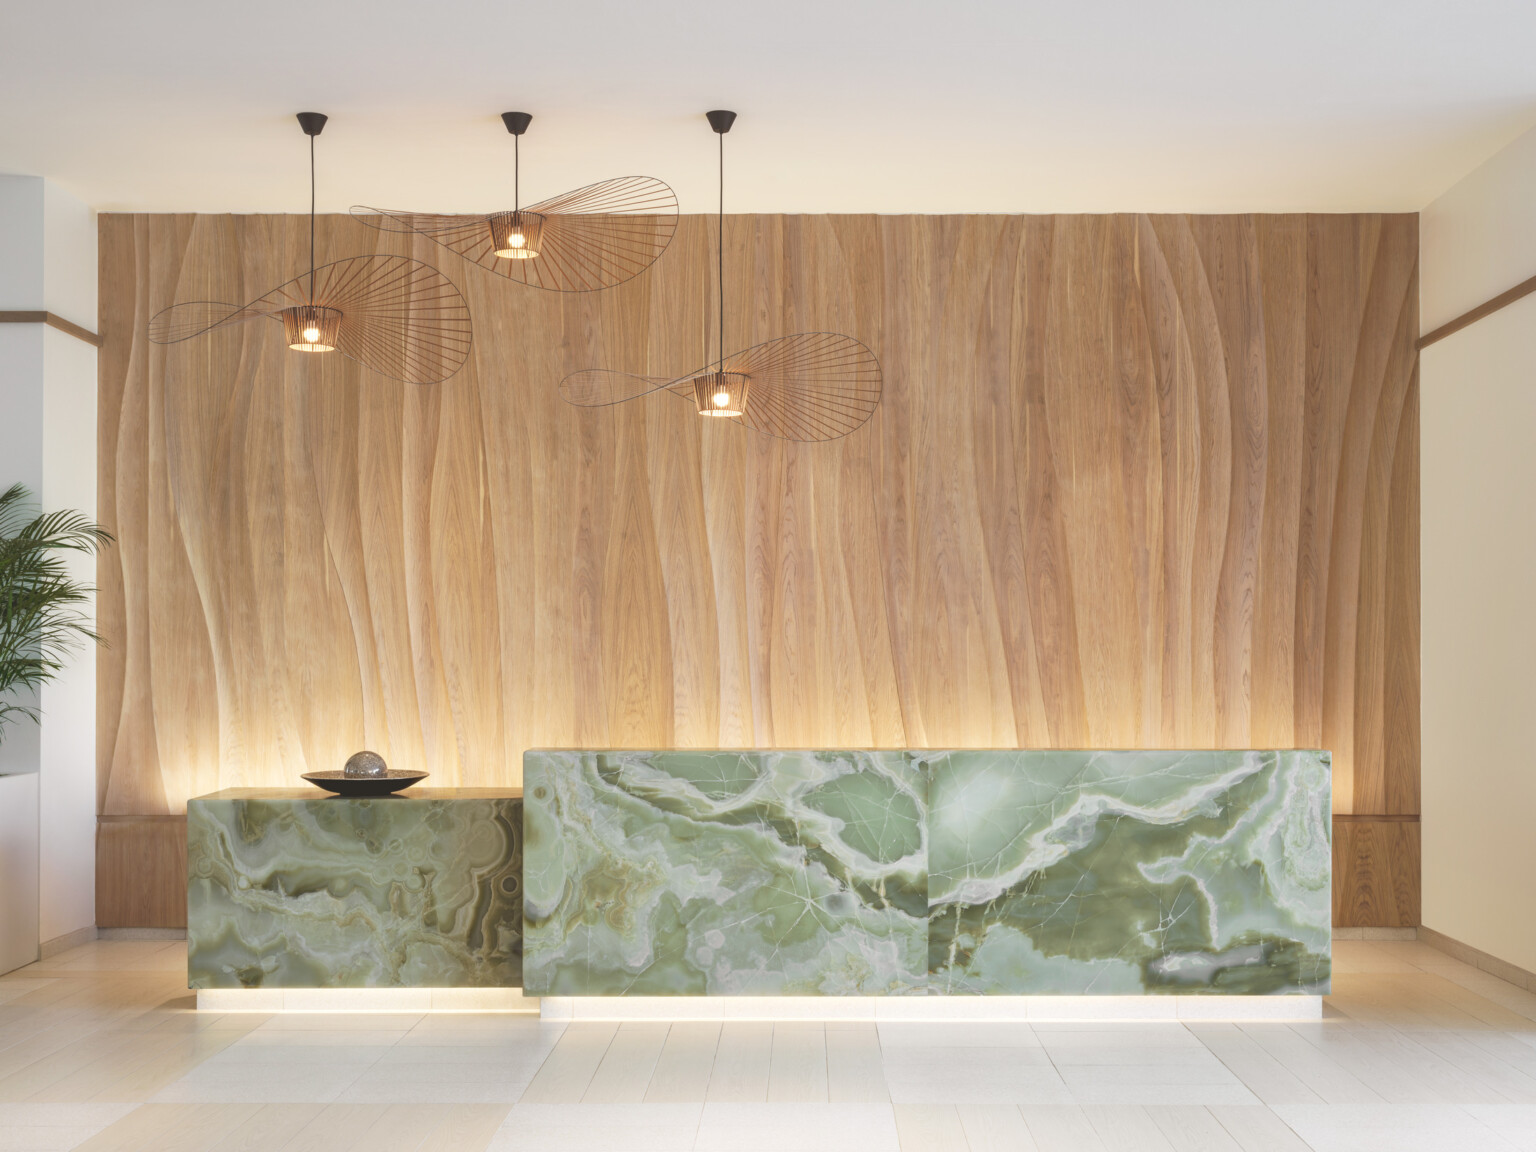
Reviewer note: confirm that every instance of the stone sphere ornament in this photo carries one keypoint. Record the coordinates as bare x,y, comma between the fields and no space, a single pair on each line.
365,775
365,766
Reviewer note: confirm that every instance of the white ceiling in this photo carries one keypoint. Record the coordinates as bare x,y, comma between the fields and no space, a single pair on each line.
846,105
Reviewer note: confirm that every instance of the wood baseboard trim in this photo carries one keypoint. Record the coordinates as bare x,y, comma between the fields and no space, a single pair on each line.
68,327
1509,973
48,949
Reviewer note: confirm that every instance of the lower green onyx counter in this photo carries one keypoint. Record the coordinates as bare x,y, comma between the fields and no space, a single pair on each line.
927,873
835,873
296,889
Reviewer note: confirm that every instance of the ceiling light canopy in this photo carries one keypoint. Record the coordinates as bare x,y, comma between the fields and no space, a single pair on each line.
581,241
394,315
809,386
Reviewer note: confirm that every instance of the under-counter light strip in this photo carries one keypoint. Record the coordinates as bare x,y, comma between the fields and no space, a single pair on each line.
353,1001
809,1009
934,1009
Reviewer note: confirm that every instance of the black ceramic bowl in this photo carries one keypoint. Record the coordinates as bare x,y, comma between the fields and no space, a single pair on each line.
343,785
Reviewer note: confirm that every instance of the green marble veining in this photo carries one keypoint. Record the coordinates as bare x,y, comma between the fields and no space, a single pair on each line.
309,891
901,873
1129,872
725,873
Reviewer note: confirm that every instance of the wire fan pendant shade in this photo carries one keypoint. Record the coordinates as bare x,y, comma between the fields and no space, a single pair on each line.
581,241
394,315
810,386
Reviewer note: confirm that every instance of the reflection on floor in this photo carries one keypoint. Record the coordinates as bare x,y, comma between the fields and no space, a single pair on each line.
99,1049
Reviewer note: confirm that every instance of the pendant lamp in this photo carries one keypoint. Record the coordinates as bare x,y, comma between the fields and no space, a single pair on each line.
809,386
394,315
581,241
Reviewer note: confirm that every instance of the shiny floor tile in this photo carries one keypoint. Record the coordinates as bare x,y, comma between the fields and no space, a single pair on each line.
599,1128
1391,1128
800,1127
1516,1123
262,1083
54,1127
950,1034
102,1050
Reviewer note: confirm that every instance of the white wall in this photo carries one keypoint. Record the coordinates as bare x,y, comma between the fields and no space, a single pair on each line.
48,442
1478,557
67,781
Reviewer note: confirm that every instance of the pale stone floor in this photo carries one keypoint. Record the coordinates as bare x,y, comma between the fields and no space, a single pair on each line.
99,1049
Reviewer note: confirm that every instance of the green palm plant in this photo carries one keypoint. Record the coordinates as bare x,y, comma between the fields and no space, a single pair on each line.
40,619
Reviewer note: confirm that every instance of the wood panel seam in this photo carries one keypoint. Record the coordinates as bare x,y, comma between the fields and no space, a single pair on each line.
1383,818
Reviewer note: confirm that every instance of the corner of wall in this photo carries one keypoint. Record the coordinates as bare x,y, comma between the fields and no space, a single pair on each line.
1478,238
69,257
1478,560
67,782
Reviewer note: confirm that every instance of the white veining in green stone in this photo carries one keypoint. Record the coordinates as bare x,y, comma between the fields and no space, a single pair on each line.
344,893
1098,872
766,873
976,872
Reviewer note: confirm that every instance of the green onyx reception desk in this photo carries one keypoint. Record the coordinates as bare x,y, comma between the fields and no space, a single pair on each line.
963,875
291,890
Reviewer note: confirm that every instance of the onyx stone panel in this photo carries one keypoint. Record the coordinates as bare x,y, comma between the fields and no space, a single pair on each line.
927,873
298,890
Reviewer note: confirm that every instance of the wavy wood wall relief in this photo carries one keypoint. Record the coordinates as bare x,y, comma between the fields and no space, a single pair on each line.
1136,481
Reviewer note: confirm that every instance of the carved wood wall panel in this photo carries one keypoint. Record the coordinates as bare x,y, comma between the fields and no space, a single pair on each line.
1135,481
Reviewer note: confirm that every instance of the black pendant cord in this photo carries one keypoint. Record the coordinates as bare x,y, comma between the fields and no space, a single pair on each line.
311,219
720,251
517,173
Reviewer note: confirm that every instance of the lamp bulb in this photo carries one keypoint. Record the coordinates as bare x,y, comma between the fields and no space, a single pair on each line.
311,335
515,240
722,399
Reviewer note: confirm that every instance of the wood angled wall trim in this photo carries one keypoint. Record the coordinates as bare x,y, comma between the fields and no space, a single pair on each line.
1503,300
1136,481
68,327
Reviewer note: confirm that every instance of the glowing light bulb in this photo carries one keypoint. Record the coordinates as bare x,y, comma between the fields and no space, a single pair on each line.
515,235
721,393
311,327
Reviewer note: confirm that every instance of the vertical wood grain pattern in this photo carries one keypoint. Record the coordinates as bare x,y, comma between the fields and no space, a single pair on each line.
1376,873
1136,481
141,872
